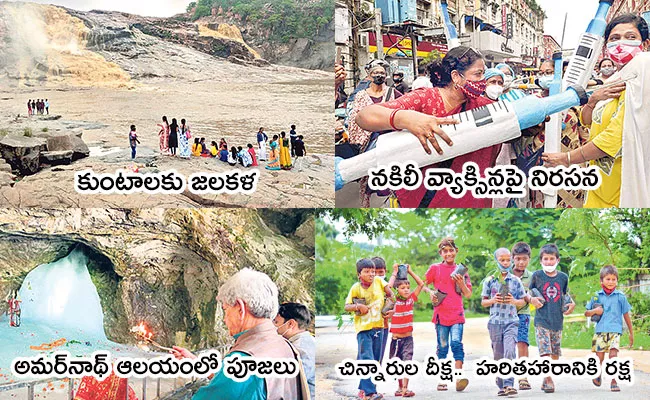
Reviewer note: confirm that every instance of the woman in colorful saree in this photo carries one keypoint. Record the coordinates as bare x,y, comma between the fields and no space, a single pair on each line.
285,154
274,155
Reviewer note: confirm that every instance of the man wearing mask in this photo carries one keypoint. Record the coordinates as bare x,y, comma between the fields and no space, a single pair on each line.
398,82
292,321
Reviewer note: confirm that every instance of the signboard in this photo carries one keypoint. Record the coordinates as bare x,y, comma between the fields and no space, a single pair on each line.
504,17
404,47
509,26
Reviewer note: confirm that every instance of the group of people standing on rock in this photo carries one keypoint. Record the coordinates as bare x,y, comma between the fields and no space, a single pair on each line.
39,107
282,149
175,138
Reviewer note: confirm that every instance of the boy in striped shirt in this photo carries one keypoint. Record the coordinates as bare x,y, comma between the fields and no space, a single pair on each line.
401,344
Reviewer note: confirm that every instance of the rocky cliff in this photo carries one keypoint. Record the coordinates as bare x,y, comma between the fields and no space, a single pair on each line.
43,43
161,267
313,53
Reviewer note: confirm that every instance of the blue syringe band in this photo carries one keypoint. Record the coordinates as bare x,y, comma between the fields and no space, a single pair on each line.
532,110
598,24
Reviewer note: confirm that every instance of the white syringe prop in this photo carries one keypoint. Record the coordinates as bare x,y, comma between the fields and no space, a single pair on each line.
589,47
553,130
478,128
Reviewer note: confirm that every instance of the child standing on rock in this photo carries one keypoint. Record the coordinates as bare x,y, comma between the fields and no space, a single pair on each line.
133,141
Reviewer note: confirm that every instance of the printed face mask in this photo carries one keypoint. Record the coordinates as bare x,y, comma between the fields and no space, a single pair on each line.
473,89
494,91
607,71
623,51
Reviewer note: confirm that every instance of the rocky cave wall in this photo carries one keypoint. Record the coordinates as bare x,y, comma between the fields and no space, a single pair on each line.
161,267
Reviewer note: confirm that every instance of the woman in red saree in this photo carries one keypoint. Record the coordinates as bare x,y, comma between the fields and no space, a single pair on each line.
111,388
458,84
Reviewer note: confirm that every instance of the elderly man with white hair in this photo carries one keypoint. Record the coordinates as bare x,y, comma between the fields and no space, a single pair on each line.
250,302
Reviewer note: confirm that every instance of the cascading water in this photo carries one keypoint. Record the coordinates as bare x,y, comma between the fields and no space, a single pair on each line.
61,294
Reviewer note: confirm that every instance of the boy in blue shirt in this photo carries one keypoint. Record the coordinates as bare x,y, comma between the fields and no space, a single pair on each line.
613,307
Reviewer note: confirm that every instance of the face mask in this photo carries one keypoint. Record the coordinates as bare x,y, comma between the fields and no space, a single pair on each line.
501,267
608,291
278,329
549,268
545,81
379,80
473,89
607,71
398,80
494,91
508,81
623,51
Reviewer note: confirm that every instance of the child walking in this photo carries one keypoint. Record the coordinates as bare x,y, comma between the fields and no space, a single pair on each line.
366,299
401,344
553,286
449,315
503,293
521,258
613,307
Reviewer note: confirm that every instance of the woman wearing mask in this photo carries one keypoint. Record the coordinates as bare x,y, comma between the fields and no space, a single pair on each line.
509,92
606,68
495,80
625,37
377,92
459,82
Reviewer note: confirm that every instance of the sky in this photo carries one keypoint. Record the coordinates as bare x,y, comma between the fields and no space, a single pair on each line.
580,12
147,8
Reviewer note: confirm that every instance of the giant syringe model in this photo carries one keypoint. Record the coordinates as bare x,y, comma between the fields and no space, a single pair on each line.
478,128
450,30
578,73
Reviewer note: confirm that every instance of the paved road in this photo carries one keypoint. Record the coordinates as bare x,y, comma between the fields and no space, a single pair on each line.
334,345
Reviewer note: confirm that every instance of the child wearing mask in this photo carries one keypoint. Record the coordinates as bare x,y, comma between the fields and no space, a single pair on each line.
503,293
553,285
365,300
613,307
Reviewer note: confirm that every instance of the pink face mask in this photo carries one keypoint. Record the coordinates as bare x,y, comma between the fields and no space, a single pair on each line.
623,51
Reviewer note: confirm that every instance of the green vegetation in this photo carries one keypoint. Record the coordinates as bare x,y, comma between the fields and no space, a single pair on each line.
44,129
284,19
4,132
587,239
27,132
